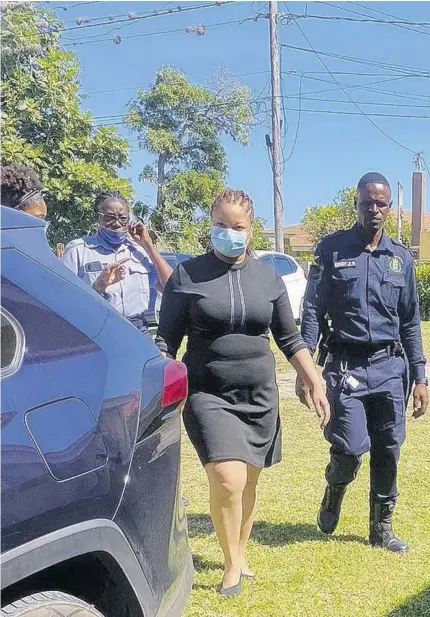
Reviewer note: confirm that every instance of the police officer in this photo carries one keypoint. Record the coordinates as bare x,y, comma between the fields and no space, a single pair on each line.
119,260
364,282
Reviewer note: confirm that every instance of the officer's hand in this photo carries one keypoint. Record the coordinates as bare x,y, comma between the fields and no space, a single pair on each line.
421,400
113,273
140,233
303,392
321,404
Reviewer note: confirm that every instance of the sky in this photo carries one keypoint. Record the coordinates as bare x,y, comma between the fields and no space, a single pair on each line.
322,152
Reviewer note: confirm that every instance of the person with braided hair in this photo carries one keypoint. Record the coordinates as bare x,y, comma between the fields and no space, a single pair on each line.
227,303
21,189
119,261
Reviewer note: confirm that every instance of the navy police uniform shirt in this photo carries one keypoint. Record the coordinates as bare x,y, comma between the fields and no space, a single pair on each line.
370,296
88,256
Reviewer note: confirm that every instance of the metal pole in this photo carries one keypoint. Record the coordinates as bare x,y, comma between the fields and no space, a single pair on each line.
276,128
399,211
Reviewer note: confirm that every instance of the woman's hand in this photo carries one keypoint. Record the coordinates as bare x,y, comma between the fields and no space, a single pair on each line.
321,404
314,397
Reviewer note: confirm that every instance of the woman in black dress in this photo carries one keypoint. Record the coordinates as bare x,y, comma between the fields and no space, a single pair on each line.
226,302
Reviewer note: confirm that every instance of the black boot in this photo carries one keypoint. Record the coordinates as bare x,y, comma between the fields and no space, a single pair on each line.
329,512
381,530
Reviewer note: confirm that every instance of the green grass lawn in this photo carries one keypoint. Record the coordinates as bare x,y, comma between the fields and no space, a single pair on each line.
302,573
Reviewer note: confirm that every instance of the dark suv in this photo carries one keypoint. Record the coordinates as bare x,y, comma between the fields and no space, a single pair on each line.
92,516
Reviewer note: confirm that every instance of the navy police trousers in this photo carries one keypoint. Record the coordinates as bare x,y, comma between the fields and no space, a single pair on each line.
367,400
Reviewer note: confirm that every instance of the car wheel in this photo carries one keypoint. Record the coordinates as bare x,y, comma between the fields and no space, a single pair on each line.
48,604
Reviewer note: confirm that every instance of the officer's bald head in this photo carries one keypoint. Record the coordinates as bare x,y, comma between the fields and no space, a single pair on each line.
373,201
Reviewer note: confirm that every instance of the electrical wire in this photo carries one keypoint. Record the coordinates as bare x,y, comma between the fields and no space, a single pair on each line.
320,111
367,116
399,23
148,15
376,103
368,8
148,34
296,136
140,87
392,67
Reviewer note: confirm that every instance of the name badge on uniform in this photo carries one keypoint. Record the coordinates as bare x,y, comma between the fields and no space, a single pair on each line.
346,263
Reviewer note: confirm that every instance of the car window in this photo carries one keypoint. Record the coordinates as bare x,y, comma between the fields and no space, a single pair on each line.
172,261
267,260
284,266
12,344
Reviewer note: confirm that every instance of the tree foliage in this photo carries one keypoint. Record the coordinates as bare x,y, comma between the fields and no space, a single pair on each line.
321,220
182,124
44,127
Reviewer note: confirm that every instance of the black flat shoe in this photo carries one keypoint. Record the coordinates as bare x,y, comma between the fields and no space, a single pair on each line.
230,592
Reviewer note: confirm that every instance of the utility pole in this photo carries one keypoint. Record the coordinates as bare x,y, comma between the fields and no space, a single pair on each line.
399,211
276,128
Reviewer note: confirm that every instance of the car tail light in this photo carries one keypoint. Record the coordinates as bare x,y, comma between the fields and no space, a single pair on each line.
175,384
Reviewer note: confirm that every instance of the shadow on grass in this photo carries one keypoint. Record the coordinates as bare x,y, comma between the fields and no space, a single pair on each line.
416,606
272,534
200,563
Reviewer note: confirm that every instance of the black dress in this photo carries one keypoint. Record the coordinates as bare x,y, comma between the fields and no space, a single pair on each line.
227,311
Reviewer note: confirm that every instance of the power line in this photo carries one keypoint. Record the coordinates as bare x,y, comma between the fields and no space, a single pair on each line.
315,111
372,20
140,87
377,103
298,123
147,34
393,67
400,23
351,86
387,15
367,116
355,113
148,15
111,17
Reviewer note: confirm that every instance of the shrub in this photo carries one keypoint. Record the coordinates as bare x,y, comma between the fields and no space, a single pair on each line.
423,284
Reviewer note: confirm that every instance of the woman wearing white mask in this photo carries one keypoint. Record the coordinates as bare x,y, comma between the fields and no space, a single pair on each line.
226,302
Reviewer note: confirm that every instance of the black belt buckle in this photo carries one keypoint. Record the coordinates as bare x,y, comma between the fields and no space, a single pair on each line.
397,349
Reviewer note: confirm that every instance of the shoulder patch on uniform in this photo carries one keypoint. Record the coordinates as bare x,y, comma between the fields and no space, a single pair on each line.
396,264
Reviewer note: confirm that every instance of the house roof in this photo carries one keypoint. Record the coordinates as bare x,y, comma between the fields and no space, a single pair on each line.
300,238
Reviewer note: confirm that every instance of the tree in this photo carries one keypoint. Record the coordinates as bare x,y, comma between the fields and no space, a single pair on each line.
181,124
44,127
322,220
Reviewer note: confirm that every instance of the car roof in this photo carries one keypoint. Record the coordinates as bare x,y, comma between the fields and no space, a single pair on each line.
166,254
261,253
16,219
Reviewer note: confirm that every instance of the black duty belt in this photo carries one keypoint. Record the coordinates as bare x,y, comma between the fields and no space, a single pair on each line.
369,352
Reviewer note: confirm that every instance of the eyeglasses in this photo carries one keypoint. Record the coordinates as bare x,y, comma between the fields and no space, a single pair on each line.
111,218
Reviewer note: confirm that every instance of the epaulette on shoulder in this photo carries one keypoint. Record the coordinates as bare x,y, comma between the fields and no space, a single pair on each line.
333,236
398,243
407,250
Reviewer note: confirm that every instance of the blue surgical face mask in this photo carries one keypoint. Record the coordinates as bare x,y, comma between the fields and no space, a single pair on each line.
114,237
229,242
